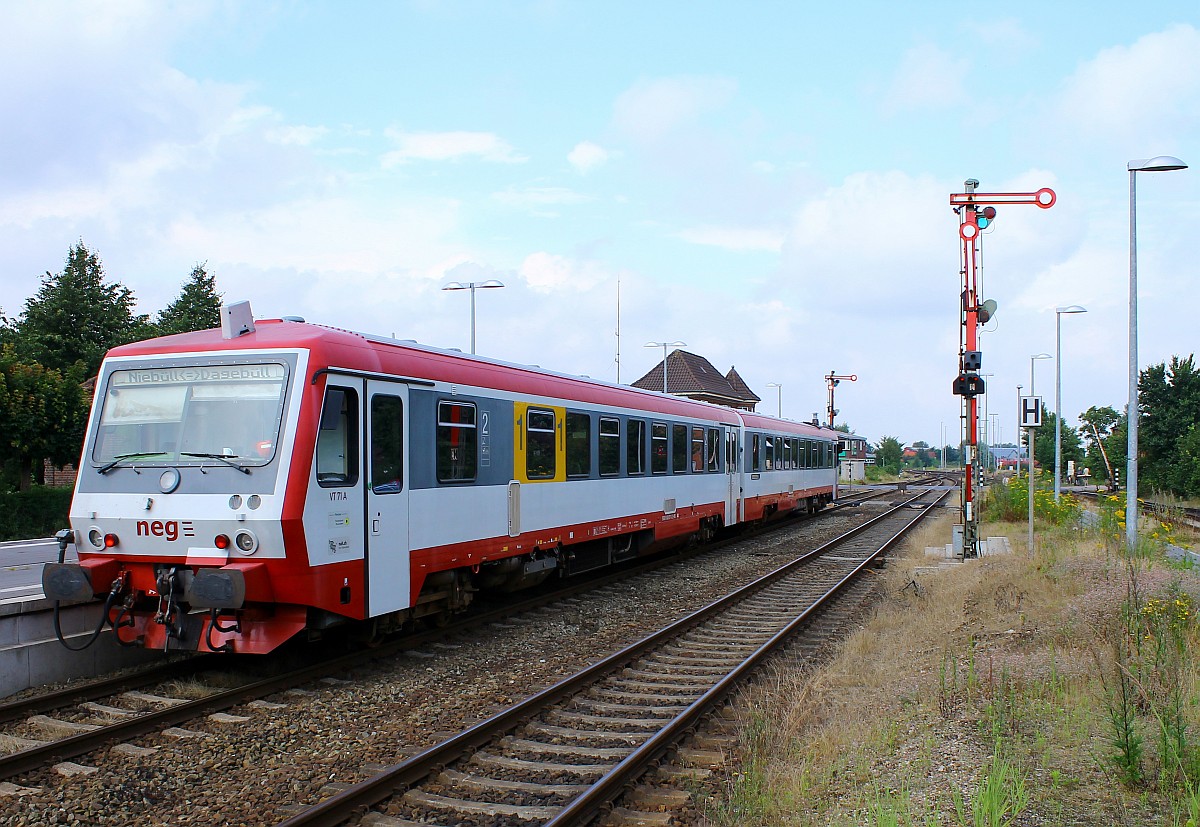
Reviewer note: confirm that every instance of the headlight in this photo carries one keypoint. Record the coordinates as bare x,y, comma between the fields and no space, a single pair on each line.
246,542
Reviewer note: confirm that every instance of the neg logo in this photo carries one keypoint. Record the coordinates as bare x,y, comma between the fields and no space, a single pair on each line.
170,529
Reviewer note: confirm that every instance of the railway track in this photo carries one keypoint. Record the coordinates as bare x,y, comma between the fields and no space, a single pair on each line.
1183,514
561,756
54,727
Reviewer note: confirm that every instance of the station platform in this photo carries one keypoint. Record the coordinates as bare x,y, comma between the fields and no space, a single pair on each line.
30,653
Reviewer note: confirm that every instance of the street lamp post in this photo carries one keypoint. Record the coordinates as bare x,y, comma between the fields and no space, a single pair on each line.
778,398
984,437
664,346
471,285
1030,436
1058,314
995,437
1162,163
1018,465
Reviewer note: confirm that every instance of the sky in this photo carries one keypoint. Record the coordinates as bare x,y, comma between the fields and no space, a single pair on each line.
768,182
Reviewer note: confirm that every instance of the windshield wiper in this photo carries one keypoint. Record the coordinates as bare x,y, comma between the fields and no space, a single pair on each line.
228,459
119,458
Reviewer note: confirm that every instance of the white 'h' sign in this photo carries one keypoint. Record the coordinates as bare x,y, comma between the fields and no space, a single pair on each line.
1031,411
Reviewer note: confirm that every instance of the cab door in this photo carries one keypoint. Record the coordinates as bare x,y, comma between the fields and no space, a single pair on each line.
733,474
387,497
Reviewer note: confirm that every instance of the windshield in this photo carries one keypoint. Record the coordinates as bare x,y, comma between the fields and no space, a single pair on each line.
173,414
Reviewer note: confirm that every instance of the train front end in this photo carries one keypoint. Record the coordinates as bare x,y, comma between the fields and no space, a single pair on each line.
179,513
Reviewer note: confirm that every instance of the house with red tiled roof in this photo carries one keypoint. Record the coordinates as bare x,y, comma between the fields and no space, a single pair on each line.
695,377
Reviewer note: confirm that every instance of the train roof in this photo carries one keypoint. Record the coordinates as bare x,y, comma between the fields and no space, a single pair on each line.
337,347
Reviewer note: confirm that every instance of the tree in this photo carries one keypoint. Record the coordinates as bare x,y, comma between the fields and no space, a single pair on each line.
1168,408
1189,463
77,316
1104,434
890,454
43,413
1043,444
198,306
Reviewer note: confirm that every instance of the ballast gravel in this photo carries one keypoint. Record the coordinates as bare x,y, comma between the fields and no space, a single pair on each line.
258,771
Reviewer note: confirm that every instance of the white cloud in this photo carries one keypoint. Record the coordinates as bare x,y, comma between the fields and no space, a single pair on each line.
296,135
886,235
327,234
536,197
1143,95
448,146
586,156
651,109
734,238
927,78
1007,36
546,273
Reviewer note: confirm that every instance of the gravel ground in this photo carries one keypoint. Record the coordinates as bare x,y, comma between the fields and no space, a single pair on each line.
342,730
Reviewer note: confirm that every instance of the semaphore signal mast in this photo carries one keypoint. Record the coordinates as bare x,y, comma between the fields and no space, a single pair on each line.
976,211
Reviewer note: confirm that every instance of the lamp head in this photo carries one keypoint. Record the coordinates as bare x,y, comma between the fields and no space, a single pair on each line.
1041,356
1073,308
1159,163
455,285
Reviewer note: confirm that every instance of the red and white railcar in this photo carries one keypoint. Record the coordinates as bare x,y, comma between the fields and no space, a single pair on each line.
239,486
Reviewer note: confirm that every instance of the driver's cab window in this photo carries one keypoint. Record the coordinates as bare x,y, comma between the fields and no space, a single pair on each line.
337,439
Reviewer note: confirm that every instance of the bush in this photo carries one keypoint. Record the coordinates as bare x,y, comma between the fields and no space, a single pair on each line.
38,512
874,473
1009,502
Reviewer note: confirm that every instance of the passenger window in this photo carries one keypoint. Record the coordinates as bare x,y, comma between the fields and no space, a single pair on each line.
679,446
658,448
714,448
770,453
457,442
756,453
635,447
387,444
697,449
579,445
786,458
540,460
610,447
337,439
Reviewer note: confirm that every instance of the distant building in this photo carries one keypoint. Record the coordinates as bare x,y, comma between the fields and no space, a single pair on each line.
854,455
695,377
1008,457
928,454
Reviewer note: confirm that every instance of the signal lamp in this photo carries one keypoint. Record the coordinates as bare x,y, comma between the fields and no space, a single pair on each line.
221,541
985,216
968,385
111,541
